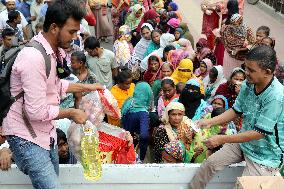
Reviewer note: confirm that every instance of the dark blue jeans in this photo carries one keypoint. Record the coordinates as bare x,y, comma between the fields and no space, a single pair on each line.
41,165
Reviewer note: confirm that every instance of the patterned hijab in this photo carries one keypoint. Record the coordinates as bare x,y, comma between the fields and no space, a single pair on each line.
178,151
132,21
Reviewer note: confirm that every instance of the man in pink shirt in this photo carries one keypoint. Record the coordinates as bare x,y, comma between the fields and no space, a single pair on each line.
38,156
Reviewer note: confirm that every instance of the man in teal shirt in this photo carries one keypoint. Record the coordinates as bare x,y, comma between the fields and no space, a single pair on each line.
260,141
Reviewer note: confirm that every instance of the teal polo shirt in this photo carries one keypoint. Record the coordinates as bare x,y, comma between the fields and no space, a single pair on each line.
263,112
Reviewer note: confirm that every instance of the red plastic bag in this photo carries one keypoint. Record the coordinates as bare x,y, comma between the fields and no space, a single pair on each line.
109,103
115,150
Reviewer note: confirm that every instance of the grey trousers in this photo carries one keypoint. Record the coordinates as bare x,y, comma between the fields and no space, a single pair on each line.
229,154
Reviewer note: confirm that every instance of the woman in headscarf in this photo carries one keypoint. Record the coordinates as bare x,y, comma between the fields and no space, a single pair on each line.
175,152
203,71
202,52
235,36
122,47
178,33
155,43
141,47
135,115
231,88
175,56
187,47
166,70
168,95
173,25
213,81
174,7
153,71
186,33
133,20
175,127
118,6
232,7
192,99
165,39
149,15
103,27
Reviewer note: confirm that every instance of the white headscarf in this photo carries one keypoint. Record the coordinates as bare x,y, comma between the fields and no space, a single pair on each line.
166,39
171,106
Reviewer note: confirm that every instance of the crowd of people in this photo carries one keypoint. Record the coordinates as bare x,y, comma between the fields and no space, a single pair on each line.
217,101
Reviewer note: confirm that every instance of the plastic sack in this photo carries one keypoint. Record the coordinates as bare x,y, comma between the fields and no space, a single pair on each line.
113,143
91,104
109,103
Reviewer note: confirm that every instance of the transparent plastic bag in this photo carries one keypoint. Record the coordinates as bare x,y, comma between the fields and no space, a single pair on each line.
91,104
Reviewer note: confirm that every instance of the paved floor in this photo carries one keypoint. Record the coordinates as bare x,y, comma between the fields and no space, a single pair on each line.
254,16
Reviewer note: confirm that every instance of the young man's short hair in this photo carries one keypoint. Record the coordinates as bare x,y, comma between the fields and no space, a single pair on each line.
265,56
91,43
13,15
60,11
7,32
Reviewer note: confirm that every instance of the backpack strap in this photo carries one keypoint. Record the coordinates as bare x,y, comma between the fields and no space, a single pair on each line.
42,50
47,62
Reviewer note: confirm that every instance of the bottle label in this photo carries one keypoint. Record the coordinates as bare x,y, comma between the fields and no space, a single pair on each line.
88,131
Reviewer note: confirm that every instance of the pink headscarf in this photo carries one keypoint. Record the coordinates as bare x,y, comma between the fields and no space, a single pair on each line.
187,46
209,66
174,23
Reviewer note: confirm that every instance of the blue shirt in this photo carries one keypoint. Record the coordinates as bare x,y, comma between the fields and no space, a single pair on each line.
263,113
43,10
24,8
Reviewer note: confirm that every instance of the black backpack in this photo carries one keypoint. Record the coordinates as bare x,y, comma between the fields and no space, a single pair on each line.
6,99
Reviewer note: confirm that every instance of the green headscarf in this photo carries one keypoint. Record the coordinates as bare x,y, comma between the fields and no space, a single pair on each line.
141,101
131,20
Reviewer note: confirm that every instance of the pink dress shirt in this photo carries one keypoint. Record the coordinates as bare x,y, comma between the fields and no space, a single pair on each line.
42,95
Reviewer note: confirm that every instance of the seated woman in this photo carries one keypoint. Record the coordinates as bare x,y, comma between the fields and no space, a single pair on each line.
174,128
186,33
203,71
135,115
232,87
202,52
169,95
192,99
155,43
152,73
175,152
216,78
178,34
174,7
121,92
184,72
166,70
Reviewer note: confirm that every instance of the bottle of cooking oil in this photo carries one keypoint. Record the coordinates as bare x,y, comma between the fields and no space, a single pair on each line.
91,160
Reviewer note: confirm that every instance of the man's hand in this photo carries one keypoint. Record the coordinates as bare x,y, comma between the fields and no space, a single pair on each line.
78,116
5,159
79,87
203,123
214,141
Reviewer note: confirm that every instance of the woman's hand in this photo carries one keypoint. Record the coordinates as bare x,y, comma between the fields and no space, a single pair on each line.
237,88
203,123
129,138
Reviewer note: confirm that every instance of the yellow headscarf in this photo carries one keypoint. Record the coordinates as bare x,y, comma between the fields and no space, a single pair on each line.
180,76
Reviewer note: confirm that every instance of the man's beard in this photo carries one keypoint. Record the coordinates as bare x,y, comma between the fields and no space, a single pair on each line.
61,44
64,160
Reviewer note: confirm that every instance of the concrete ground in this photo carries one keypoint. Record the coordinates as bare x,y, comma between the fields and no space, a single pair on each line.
254,16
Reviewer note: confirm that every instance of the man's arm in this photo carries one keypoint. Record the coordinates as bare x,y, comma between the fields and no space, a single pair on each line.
79,87
25,32
226,117
218,140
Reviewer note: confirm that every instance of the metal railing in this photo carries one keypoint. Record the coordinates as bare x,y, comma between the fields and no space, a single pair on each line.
278,5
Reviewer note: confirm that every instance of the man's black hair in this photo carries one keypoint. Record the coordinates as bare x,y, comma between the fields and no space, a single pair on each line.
8,32
264,55
91,43
61,135
13,15
60,11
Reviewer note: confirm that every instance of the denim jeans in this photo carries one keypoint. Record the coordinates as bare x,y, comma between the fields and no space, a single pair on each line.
42,166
